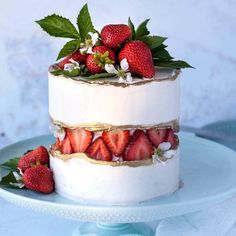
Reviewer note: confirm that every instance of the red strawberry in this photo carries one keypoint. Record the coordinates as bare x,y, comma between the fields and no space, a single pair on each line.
39,178
58,144
66,146
96,62
156,136
139,57
80,139
116,140
170,137
139,147
38,155
114,35
77,56
99,151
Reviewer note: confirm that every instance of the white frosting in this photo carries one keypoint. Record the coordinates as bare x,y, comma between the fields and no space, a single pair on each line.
80,179
73,102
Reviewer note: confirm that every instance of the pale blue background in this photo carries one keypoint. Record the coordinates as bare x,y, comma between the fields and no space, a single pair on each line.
201,32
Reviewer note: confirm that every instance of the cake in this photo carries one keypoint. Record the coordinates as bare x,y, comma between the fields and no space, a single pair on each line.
114,106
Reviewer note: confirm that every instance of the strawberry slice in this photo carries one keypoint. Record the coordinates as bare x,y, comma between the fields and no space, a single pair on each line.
170,137
66,146
139,147
116,140
156,136
58,144
99,151
80,139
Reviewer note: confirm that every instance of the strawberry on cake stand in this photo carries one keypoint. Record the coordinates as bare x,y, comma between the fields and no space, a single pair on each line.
114,107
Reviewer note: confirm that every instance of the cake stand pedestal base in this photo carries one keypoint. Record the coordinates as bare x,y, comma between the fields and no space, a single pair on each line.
106,229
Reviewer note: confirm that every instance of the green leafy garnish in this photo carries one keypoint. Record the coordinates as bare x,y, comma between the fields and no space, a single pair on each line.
73,73
10,164
84,23
172,64
142,29
131,25
161,53
58,26
153,41
69,48
99,76
10,180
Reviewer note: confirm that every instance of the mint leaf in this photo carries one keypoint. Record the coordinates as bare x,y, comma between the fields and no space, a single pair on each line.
73,73
172,64
11,164
161,53
57,72
9,180
84,23
153,41
100,75
142,29
131,26
69,48
58,26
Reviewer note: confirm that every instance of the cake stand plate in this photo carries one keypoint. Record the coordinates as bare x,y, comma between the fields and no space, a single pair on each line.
208,173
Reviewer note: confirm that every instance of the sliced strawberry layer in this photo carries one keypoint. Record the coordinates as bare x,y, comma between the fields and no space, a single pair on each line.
99,151
116,141
156,136
170,137
139,147
80,139
66,146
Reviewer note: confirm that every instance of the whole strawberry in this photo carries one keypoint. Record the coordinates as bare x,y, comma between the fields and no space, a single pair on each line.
39,178
102,55
38,155
113,36
139,57
76,56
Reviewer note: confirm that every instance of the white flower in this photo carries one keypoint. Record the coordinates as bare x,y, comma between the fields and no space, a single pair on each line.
87,46
169,154
163,152
122,72
17,176
59,132
72,65
164,146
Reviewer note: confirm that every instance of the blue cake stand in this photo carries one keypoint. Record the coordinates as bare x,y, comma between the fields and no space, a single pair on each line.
208,173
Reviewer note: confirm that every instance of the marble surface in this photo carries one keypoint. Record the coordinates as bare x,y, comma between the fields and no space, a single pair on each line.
201,32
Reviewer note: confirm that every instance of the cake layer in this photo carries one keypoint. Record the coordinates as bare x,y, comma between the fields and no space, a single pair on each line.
144,102
80,179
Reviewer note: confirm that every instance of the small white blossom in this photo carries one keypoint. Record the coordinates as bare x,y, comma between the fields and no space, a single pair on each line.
169,154
59,132
17,176
87,46
122,72
164,146
163,152
72,65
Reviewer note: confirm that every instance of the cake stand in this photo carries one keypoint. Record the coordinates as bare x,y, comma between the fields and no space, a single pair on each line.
208,173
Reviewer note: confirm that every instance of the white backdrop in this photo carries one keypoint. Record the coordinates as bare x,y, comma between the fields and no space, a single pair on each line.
200,32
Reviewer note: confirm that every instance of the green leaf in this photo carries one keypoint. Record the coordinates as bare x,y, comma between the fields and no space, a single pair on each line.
57,72
142,29
161,53
73,73
10,181
58,26
69,48
99,76
131,26
11,164
84,23
172,64
153,41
